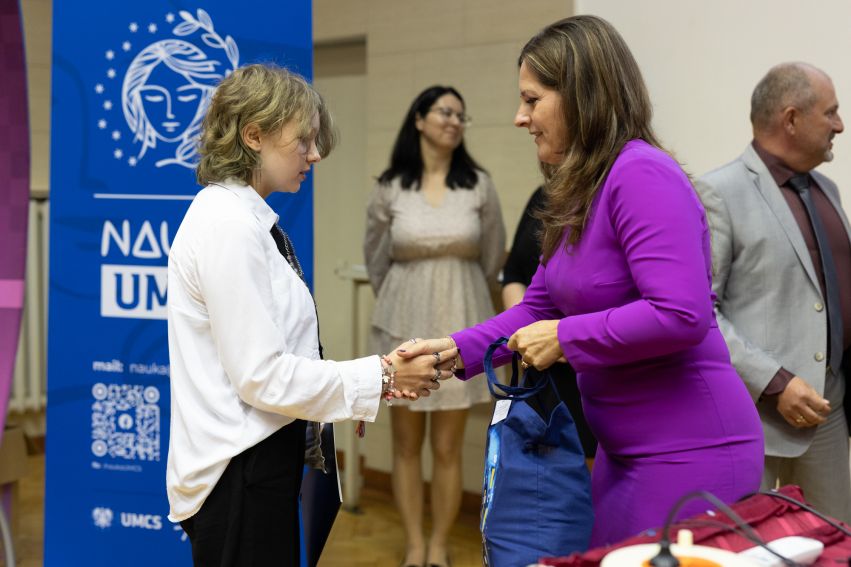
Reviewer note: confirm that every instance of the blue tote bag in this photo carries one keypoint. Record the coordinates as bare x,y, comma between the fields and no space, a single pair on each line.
536,497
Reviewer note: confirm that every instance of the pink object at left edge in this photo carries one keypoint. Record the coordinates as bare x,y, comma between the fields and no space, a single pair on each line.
11,294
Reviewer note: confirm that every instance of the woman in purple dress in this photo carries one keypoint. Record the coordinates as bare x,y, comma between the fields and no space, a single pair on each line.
623,292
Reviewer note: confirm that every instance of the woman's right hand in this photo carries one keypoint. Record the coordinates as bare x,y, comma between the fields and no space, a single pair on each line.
417,376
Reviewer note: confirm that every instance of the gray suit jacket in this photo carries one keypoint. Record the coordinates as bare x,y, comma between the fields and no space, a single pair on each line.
769,304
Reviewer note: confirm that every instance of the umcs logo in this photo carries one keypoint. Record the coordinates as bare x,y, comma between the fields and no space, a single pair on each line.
134,292
158,106
143,521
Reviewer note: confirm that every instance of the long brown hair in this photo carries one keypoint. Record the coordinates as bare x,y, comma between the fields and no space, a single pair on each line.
605,105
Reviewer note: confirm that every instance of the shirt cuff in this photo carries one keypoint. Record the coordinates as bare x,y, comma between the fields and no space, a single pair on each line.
365,374
778,383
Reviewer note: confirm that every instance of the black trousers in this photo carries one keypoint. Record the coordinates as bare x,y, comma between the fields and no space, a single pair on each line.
251,518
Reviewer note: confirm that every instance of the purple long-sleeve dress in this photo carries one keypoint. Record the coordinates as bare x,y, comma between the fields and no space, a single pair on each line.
634,300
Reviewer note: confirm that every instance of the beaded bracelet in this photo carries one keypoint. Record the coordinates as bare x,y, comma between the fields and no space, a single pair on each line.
388,379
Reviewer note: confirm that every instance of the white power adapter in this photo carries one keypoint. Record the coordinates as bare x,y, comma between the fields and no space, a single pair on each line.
801,550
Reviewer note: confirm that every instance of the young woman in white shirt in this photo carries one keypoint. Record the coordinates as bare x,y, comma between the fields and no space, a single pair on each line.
246,372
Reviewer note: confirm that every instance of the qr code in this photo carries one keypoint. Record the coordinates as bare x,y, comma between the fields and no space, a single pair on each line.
126,422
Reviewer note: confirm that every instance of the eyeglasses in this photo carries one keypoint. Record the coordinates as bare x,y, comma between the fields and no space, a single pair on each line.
448,113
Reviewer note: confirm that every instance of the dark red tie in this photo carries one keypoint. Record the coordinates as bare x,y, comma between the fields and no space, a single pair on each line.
801,184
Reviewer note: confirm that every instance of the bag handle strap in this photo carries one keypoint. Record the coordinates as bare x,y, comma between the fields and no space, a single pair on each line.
513,391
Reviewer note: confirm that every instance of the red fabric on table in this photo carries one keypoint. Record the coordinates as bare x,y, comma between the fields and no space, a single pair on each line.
771,518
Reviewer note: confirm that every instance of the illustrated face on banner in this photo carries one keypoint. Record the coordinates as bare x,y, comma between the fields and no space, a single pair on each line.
166,89
163,96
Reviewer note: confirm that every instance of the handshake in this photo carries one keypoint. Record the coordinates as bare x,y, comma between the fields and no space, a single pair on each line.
416,367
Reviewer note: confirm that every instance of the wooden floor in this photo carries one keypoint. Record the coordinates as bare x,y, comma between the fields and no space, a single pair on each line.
28,518
374,537
371,538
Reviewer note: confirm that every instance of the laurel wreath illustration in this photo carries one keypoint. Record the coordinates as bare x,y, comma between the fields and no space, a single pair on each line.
191,24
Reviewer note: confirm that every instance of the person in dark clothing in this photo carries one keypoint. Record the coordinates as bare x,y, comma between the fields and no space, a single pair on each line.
517,273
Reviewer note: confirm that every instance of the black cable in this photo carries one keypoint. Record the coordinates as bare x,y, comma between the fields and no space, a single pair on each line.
666,559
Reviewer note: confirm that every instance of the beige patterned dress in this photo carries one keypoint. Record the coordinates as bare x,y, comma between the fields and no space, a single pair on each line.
430,267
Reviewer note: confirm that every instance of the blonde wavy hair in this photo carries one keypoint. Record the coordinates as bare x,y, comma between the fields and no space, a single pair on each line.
605,105
270,97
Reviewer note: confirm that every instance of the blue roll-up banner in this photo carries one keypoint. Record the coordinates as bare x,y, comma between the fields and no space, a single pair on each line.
131,82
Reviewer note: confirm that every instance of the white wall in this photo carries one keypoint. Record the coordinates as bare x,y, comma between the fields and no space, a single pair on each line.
702,59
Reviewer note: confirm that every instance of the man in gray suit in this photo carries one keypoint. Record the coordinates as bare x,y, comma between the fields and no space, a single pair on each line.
781,252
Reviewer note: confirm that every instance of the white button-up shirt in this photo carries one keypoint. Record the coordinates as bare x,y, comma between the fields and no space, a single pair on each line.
243,345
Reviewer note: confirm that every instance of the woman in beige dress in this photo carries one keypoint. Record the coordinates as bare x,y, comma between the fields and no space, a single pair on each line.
435,241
